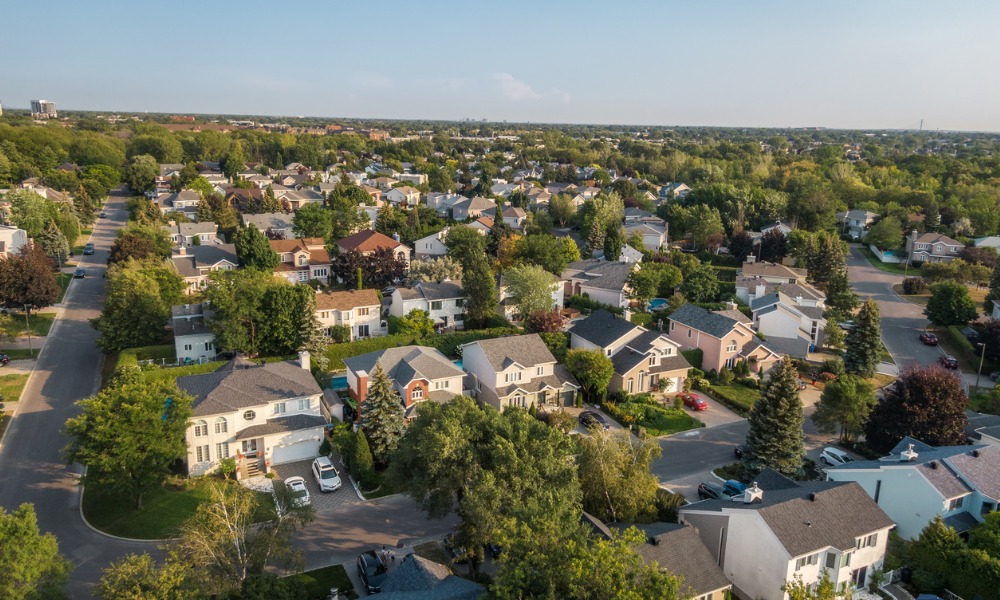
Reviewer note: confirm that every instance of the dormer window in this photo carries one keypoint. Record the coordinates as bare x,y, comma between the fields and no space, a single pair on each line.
731,347
303,260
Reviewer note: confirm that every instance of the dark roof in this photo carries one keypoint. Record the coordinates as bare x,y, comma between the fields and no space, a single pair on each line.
961,522
242,384
527,350
713,324
203,256
406,363
600,274
679,550
596,525
636,351
282,425
192,326
810,515
427,290
417,578
602,328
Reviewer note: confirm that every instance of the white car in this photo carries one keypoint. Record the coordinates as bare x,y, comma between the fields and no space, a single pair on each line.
326,475
297,491
835,456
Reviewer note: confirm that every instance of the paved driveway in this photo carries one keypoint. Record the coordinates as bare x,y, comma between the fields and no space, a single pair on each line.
716,414
321,502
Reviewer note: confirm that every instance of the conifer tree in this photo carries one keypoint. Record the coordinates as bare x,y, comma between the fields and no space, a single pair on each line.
361,463
775,437
994,290
864,342
54,243
382,416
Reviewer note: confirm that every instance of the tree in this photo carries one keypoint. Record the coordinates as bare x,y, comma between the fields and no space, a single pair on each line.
773,246
599,213
141,173
827,260
344,207
845,403
741,245
925,403
237,299
705,223
53,243
615,477
839,295
130,435
887,234
614,241
27,279
825,589
480,289
29,559
416,322
362,464
833,335
775,437
592,369
222,543
864,341
545,321
312,220
235,161
701,285
994,293
136,305
434,270
950,304
30,212
382,416
529,287
379,268
136,576
547,251
253,250
465,244
562,208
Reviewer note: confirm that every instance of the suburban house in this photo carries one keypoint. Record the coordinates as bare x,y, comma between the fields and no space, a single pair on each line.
184,201
405,196
756,280
368,241
443,202
433,245
193,340
473,208
790,326
783,227
917,482
360,310
162,179
675,190
725,337
184,234
855,222
634,215
780,529
296,199
931,247
514,216
195,263
12,240
414,178
653,237
990,241
517,370
603,281
261,414
278,223
512,312
444,302
418,578
483,225
302,259
244,199
418,373
644,360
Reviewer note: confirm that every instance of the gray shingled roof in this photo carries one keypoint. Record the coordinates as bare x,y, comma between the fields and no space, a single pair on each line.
445,290
282,425
418,578
265,221
982,471
600,274
713,324
203,256
636,350
192,326
406,363
560,378
241,384
679,550
526,350
602,328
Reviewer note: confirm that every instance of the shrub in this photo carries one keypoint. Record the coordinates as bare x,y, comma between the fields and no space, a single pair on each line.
227,465
340,334
725,376
561,420
749,382
641,319
712,376
586,303
326,447
832,365
667,505
678,403
694,356
914,285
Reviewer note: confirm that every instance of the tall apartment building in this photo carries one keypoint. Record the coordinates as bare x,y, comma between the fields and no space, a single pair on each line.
43,109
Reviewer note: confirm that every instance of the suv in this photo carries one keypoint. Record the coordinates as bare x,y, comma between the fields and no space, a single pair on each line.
929,339
372,571
834,456
326,475
4,359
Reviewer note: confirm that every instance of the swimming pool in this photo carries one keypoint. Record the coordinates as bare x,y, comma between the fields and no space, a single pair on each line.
657,303
339,382
458,363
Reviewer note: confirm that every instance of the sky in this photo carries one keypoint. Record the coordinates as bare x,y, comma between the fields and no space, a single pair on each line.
839,64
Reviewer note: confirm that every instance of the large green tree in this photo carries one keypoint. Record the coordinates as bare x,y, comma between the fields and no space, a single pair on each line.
950,304
845,404
775,438
547,251
614,474
130,435
29,559
592,369
137,576
481,296
382,416
30,212
887,234
701,285
864,341
136,304
253,250
312,220
435,269
529,287
27,279
54,243
141,173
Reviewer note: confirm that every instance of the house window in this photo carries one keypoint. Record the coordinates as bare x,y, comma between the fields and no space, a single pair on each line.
305,403
303,260
631,383
417,393
363,311
279,408
812,559
517,400
689,332
201,454
317,273
845,560
515,376
436,305
865,542
831,560
363,331
956,503
187,346
303,275
441,385
642,380
460,302
671,326
221,425
460,318
345,315
540,371
249,415
200,428
222,450
731,347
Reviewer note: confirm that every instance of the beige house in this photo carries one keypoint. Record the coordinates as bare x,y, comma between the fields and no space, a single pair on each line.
725,337
302,259
360,310
517,371
196,263
931,247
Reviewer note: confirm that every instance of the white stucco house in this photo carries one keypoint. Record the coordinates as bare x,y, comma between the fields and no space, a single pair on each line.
444,302
653,237
403,196
261,414
193,339
517,371
12,240
790,326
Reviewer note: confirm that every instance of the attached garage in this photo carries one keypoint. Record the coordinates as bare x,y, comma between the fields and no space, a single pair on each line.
294,445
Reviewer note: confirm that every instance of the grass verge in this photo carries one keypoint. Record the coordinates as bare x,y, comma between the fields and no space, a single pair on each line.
978,295
317,583
63,279
12,385
893,268
20,353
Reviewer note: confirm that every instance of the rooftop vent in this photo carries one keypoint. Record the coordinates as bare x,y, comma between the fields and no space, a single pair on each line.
812,496
908,455
753,494
932,464
975,453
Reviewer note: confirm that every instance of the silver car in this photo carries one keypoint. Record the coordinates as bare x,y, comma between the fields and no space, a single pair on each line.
326,475
297,491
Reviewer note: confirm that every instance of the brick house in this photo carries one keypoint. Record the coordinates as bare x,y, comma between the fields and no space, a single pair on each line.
418,373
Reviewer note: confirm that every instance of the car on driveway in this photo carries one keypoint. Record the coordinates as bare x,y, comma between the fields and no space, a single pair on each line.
589,418
834,456
79,273
929,339
297,491
372,571
847,325
693,401
458,554
710,490
326,475
89,248
948,362
734,487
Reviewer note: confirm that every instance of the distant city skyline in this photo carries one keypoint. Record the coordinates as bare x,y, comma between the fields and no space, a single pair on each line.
849,65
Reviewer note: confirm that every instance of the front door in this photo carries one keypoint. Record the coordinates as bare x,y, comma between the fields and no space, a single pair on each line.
250,448
859,577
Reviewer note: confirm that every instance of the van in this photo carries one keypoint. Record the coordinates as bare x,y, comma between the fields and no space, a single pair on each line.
834,457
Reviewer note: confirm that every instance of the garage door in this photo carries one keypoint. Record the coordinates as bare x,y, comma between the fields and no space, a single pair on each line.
283,451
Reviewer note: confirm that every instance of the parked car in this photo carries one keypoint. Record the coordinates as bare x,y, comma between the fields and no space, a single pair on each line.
103,215
948,362
372,571
458,554
89,248
847,325
589,418
710,490
693,401
326,475
734,487
80,273
4,359
740,450
834,456
492,550
297,491
929,339
970,334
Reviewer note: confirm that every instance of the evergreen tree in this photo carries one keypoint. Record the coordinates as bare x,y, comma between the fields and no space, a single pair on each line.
839,295
845,404
54,243
235,161
382,416
614,241
827,261
864,341
203,212
270,203
253,250
314,340
775,438
994,290
480,291
361,463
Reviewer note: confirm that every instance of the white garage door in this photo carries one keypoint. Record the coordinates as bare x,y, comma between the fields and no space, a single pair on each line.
284,451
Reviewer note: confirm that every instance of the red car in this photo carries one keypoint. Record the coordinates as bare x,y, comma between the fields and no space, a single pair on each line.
929,339
694,401
948,362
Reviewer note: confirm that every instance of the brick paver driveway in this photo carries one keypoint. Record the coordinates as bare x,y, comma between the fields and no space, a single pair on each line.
321,502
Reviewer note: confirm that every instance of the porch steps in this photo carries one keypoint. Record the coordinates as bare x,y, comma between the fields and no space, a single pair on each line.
252,470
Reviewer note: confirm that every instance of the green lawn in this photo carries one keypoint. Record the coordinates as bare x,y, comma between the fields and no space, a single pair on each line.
317,583
12,385
20,353
737,397
40,324
893,268
383,489
175,372
163,510
157,353
63,280
978,295
655,418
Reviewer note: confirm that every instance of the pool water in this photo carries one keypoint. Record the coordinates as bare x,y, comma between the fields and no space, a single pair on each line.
657,303
339,382
458,363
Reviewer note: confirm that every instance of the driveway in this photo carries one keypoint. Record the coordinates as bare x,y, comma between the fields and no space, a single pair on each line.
716,414
321,501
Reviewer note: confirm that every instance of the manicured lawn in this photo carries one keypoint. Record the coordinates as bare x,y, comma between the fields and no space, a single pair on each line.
896,269
978,295
656,418
737,397
175,372
884,356
432,551
63,280
12,385
317,583
881,380
157,353
40,323
383,489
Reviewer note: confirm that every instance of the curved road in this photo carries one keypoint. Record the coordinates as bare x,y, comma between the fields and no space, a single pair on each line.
68,369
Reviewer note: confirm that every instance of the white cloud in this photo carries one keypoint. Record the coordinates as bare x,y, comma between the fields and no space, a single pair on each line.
518,90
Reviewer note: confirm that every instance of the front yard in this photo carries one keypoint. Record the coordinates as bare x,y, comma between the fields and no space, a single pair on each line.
655,417
39,323
317,583
737,397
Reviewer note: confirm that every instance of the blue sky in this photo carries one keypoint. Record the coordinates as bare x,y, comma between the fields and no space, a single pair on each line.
873,64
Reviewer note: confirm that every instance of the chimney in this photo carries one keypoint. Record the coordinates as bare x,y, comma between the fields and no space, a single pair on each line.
753,494
182,251
304,359
730,305
908,455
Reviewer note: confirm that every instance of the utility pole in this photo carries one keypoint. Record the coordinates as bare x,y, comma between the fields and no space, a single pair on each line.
27,326
982,356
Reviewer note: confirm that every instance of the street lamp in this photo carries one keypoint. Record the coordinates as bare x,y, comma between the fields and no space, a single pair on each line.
982,356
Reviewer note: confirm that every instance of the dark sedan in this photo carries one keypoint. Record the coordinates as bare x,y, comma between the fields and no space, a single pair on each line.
929,339
740,450
948,362
372,571
710,490
589,418
79,273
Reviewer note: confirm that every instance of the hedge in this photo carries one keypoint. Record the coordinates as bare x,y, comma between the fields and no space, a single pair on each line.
641,319
586,303
693,356
725,273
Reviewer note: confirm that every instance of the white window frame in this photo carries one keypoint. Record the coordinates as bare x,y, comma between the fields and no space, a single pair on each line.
222,450
221,425
305,403
417,393
200,428
280,408
202,454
